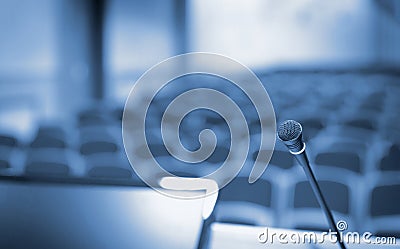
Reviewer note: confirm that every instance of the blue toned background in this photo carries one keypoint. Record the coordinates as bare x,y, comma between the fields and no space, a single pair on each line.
67,66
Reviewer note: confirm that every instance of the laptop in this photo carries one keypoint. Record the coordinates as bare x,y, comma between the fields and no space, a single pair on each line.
60,215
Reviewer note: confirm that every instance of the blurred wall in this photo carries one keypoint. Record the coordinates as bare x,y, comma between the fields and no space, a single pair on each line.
305,33
44,63
28,61
387,17
46,49
138,34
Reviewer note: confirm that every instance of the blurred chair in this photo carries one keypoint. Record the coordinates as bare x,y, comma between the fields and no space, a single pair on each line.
391,129
8,144
4,163
45,141
117,113
240,202
47,162
305,213
93,147
8,140
281,159
46,169
94,116
5,157
374,102
337,195
108,166
10,155
214,120
158,150
171,164
97,139
346,160
362,123
391,161
219,155
361,129
51,131
96,133
332,103
385,209
338,153
49,137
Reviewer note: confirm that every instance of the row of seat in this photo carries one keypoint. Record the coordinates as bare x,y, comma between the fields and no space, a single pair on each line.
350,125
337,159
345,154
265,203
344,122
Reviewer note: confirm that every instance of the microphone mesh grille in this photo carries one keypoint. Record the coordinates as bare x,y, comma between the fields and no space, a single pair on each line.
289,130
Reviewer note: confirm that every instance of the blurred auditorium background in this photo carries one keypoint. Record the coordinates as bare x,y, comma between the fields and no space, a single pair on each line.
67,66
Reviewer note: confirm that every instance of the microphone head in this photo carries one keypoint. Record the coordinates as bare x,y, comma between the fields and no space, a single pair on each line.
290,133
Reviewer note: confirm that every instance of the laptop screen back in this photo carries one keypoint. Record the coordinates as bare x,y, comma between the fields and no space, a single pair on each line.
39,215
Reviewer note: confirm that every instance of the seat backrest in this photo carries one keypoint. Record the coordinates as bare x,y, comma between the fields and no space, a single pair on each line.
45,141
93,147
336,194
385,200
391,162
7,140
239,189
346,160
47,169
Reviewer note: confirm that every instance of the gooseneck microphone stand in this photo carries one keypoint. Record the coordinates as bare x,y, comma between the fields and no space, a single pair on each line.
290,133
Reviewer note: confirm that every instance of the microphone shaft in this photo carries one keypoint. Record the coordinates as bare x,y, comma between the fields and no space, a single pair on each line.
290,133
303,160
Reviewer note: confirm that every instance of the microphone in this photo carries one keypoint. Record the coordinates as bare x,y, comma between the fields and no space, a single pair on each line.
290,133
